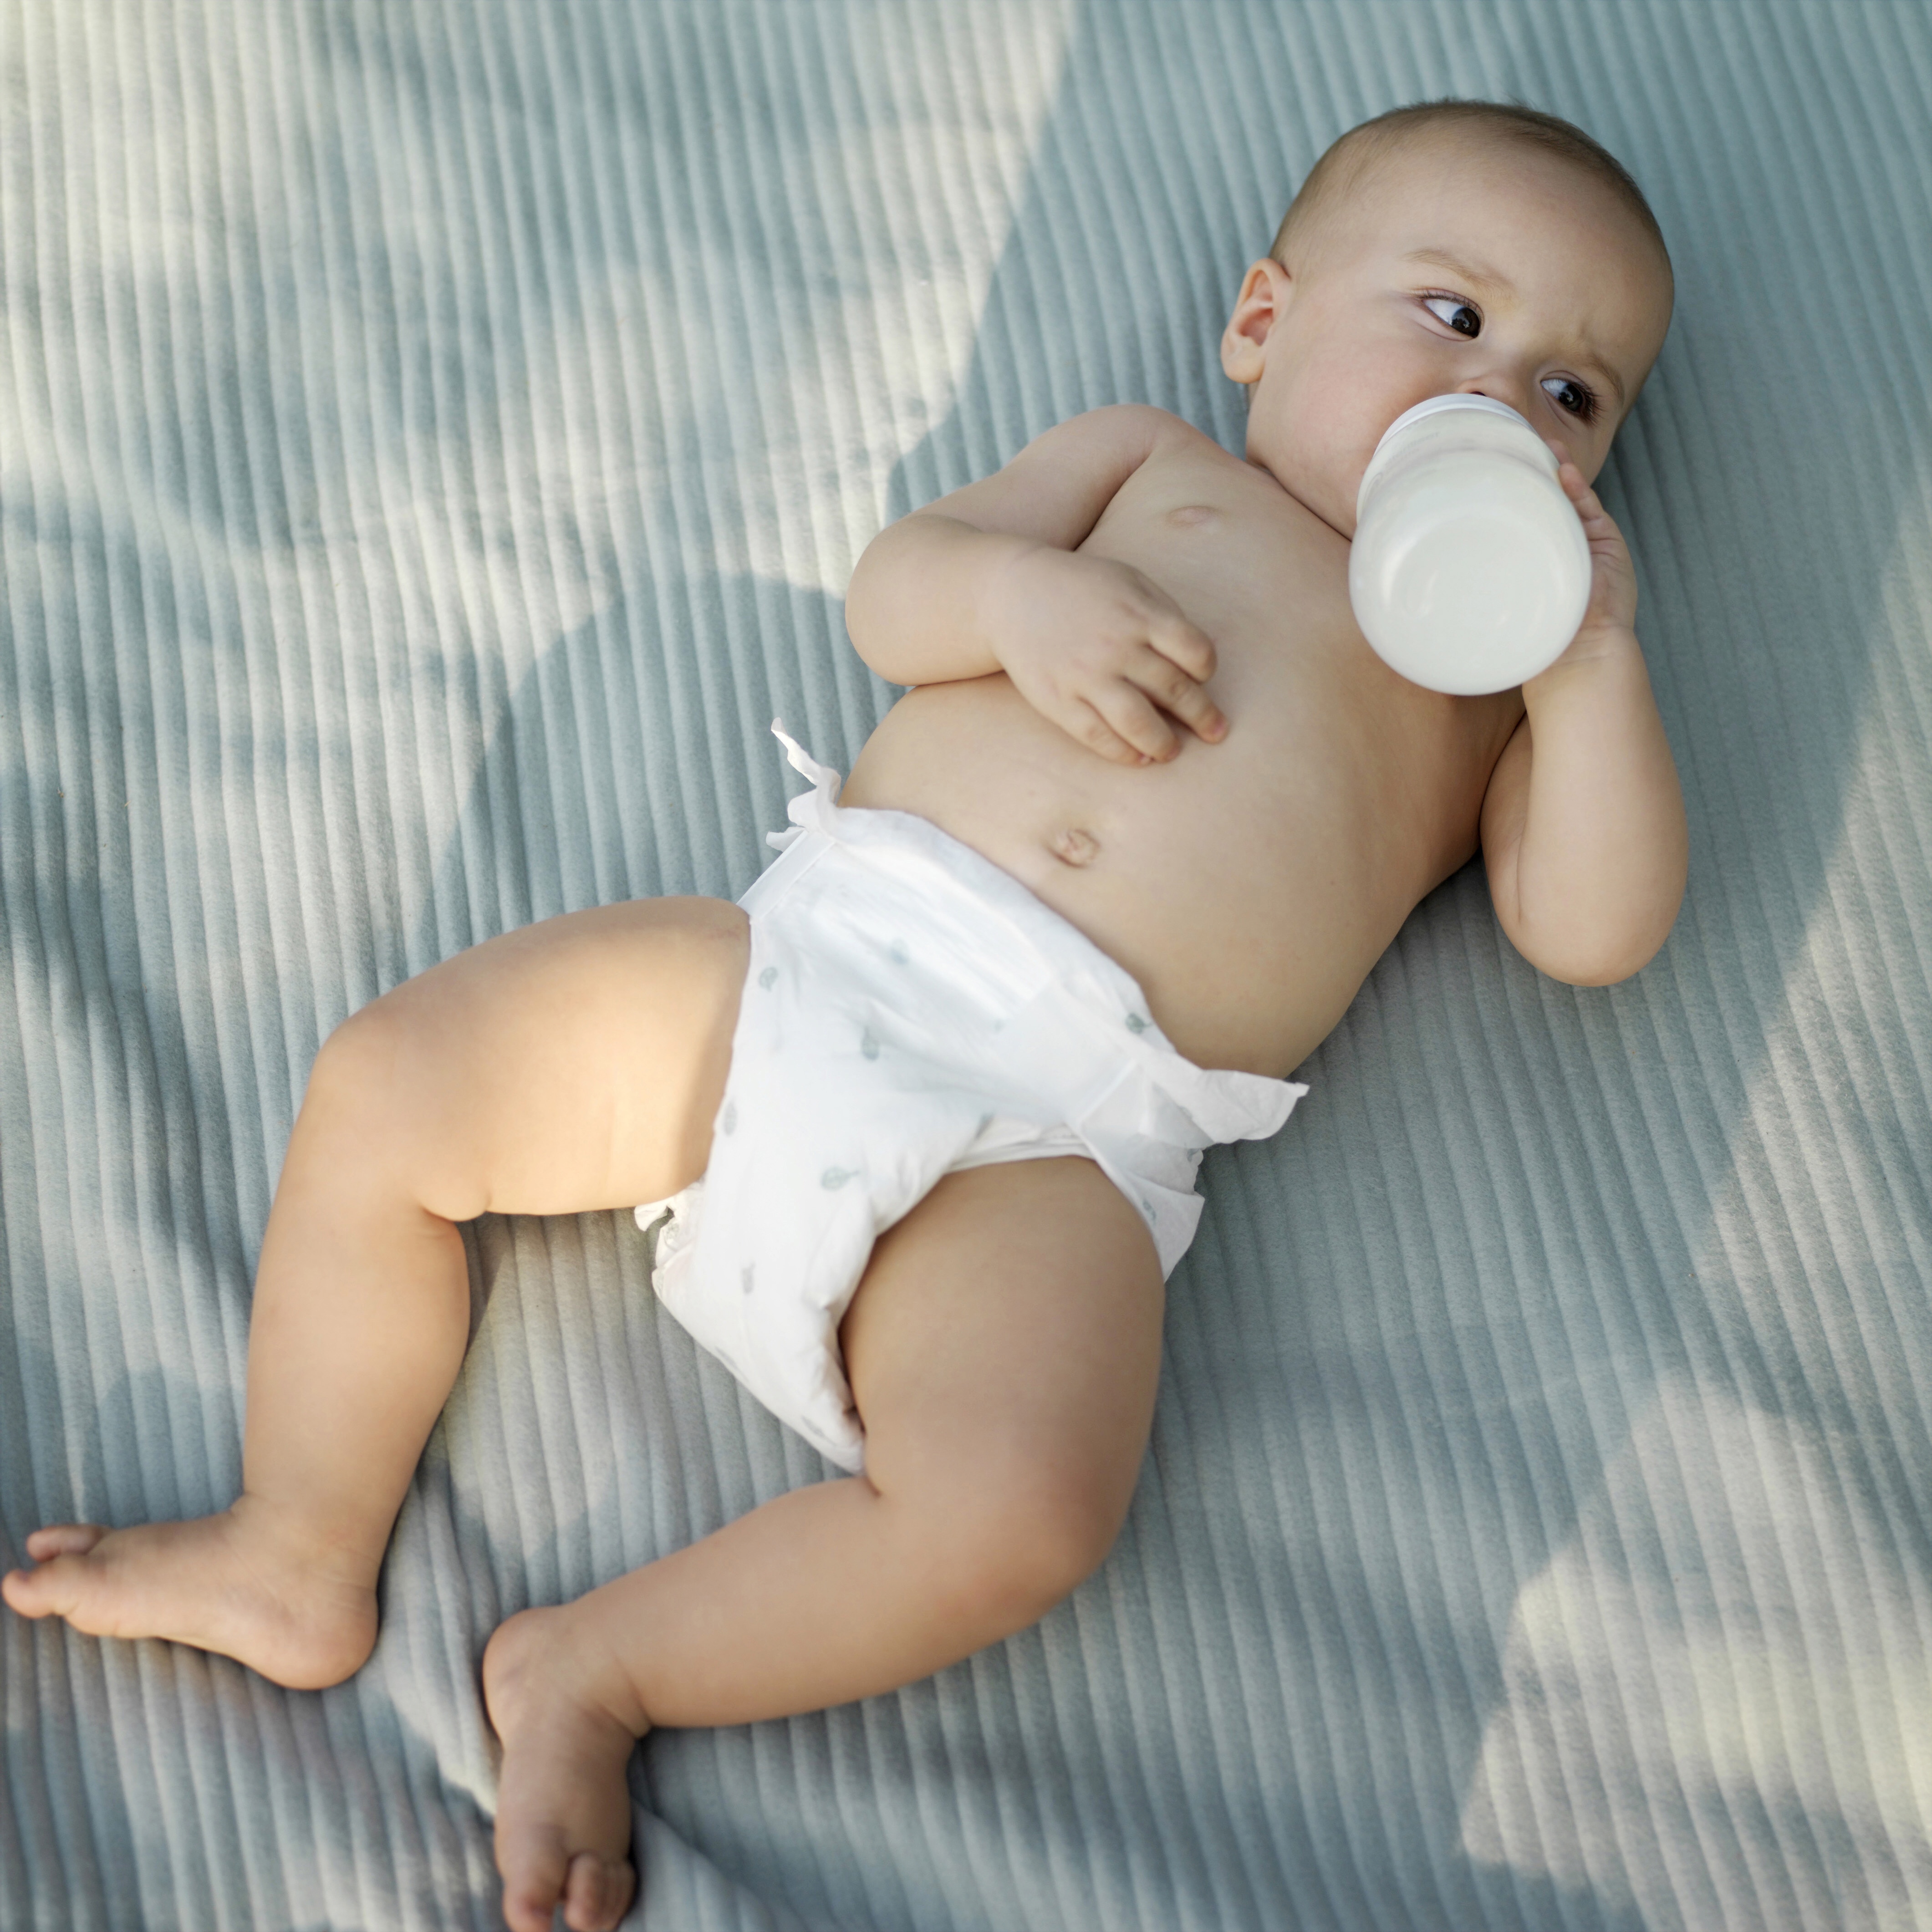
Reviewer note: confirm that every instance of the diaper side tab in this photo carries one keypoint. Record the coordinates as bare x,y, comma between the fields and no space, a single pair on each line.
823,777
807,811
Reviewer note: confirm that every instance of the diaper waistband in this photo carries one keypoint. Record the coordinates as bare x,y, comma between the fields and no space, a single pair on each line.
1226,1103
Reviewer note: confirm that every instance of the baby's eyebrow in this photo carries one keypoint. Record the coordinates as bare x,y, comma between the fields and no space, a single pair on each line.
1470,272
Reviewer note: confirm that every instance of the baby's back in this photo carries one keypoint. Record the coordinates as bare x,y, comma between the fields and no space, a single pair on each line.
1250,885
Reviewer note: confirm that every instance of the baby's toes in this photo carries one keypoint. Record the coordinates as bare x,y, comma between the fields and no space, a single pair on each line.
56,1585
535,1865
64,1539
597,1894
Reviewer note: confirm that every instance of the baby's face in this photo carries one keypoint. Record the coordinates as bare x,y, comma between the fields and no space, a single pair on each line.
1482,268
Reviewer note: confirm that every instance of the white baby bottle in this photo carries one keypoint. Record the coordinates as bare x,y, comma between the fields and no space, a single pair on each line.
1470,571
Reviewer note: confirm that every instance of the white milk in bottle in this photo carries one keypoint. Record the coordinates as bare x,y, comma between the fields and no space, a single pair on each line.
1470,571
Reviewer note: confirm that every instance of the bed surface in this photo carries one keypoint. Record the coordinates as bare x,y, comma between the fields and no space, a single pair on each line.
433,443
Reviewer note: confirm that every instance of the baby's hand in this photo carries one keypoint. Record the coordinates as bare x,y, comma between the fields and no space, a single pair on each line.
1101,650
1612,605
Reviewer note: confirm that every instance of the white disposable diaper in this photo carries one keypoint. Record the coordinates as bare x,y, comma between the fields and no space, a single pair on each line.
910,1009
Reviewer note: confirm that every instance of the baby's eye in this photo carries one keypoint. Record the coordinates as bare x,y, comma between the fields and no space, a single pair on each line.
1462,318
1567,393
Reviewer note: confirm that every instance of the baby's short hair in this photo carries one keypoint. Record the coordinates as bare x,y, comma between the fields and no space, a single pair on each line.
1348,160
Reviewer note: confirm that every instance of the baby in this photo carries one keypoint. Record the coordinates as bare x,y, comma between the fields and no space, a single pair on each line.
1107,873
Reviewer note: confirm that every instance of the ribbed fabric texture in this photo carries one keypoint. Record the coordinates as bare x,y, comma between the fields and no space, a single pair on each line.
434,439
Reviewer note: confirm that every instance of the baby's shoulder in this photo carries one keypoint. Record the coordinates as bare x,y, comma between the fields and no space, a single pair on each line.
1179,458
1168,435
1158,432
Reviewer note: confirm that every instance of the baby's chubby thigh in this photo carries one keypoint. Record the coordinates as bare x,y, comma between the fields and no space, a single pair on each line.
566,1066
1003,1351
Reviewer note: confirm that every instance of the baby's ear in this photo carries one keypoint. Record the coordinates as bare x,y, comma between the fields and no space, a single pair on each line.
1265,289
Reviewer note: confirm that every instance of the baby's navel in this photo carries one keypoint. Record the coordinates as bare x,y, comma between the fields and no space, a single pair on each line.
1073,847
1191,514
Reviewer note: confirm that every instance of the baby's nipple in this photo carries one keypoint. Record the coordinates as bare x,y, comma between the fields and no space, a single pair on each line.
1073,847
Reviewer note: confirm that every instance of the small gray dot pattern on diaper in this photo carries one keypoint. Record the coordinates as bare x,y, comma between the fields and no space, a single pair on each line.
1136,1024
836,1177
728,1121
900,954
768,978
745,1279
868,1046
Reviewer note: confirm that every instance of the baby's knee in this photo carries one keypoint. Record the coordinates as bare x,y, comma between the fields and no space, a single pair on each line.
354,1067
1022,1537
372,1099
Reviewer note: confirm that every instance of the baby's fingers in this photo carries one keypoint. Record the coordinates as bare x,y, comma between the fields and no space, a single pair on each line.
1171,687
1085,722
1182,643
1589,505
1599,528
1613,588
1136,719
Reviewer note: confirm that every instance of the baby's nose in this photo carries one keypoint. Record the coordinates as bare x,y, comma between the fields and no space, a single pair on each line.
1498,388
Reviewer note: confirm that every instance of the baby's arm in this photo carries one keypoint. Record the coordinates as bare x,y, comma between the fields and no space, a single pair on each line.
1583,830
989,579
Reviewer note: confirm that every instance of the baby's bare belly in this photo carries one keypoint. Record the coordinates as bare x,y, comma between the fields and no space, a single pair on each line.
1249,886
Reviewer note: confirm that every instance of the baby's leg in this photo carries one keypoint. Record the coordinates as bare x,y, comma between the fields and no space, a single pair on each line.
574,1065
1003,1350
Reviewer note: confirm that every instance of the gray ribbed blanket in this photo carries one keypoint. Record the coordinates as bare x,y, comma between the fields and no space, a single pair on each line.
434,439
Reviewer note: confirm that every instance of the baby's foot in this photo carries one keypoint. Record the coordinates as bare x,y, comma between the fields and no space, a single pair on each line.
234,1583
563,1810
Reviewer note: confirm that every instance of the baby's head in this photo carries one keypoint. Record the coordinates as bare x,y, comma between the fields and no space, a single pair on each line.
1456,245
